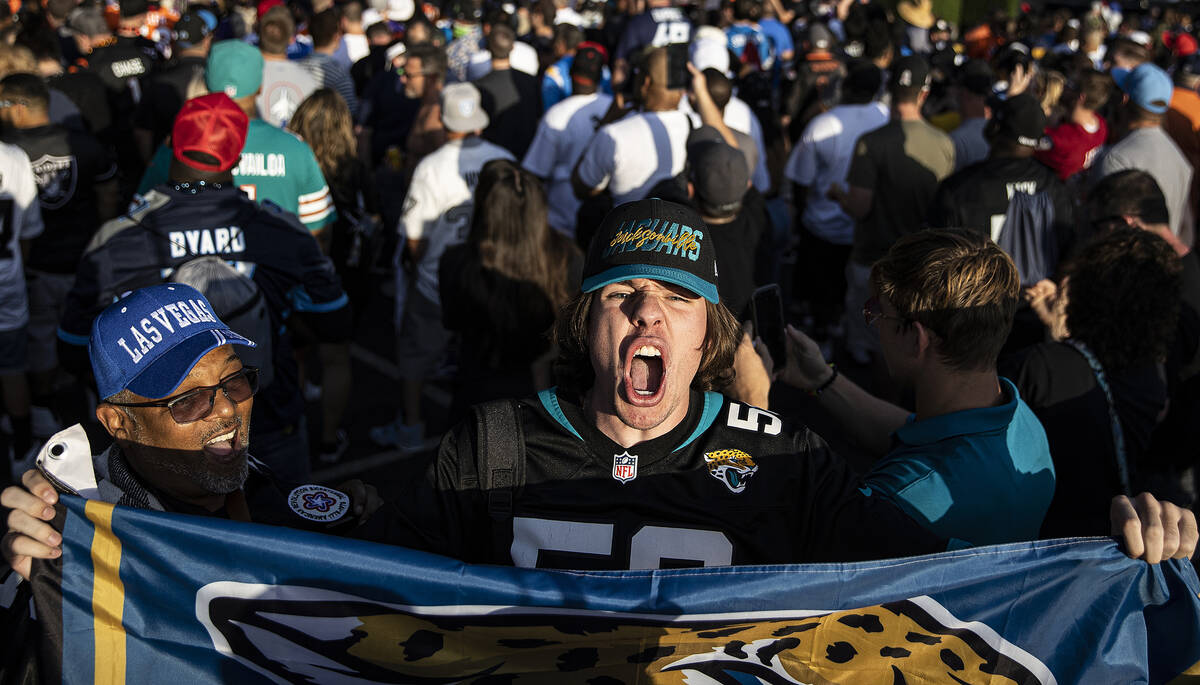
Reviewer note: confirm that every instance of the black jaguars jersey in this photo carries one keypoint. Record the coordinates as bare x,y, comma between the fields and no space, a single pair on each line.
732,484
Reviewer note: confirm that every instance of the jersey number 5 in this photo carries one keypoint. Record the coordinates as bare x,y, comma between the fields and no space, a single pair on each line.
647,548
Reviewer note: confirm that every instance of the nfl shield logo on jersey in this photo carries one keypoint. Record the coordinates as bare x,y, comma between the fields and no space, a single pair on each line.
625,467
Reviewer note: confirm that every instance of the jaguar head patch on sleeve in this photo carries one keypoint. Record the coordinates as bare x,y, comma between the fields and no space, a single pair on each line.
734,468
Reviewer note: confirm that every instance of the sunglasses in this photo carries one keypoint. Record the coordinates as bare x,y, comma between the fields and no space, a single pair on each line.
197,403
873,312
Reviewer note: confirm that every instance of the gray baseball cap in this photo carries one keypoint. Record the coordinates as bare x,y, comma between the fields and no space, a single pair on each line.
462,109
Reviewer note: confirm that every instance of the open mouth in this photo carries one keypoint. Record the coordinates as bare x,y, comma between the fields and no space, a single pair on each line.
223,446
645,372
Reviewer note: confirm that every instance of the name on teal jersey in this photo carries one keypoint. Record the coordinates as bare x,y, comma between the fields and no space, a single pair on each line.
261,164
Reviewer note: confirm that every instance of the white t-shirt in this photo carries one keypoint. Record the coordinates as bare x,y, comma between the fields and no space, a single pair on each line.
632,155
285,84
562,134
822,157
440,201
524,57
354,46
20,219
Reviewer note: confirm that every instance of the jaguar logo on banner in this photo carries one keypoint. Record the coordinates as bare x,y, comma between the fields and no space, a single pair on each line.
291,633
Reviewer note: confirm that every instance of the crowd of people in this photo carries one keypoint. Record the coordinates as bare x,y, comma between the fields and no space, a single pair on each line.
982,234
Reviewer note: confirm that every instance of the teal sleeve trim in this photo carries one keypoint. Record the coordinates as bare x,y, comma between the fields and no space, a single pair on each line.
304,303
72,339
712,407
549,399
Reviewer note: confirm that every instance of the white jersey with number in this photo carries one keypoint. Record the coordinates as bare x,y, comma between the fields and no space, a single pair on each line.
20,219
440,201
561,136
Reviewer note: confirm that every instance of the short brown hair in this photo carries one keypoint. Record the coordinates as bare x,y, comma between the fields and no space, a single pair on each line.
500,41
1095,87
958,284
433,59
275,30
573,369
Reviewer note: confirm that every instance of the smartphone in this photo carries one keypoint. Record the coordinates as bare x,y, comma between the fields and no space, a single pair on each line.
767,308
677,71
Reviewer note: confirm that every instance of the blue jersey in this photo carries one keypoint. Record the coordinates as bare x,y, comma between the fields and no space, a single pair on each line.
751,46
657,27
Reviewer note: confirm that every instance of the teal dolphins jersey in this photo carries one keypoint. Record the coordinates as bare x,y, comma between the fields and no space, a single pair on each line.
275,166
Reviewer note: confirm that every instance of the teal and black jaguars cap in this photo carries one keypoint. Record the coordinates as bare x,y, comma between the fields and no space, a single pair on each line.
653,239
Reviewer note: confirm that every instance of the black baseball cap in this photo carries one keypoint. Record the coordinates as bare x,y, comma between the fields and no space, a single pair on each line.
194,26
587,67
1019,118
718,173
976,77
655,239
909,72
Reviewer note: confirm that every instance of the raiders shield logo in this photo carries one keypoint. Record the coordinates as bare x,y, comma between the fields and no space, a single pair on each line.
56,179
625,466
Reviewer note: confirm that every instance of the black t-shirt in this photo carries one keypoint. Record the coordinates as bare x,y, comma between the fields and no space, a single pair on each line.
730,485
388,112
67,165
120,60
737,246
513,102
164,91
503,325
1059,386
87,91
977,197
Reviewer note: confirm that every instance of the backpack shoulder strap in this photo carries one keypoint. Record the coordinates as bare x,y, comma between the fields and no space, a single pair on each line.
499,456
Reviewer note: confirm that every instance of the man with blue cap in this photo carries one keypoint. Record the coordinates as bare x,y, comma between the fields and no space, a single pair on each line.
1147,146
176,401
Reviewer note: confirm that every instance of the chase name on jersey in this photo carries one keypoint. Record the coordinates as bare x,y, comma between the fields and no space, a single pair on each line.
206,241
647,235
261,164
183,313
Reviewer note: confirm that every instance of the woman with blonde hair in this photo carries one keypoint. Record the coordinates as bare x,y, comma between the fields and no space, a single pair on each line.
323,121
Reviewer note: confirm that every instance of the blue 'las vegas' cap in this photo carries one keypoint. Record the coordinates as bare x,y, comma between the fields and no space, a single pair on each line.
149,340
653,239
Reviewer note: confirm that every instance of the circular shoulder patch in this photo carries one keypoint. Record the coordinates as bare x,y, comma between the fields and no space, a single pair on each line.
319,503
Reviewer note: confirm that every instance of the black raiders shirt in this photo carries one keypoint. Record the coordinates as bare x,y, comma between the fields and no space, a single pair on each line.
732,484
67,165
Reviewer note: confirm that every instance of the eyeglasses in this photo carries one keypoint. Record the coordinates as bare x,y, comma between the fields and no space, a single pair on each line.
197,403
873,312
12,102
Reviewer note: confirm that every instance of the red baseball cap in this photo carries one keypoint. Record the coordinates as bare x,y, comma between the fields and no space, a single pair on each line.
212,124
266,5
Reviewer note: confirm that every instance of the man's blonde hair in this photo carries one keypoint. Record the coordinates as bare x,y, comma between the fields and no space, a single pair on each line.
958,284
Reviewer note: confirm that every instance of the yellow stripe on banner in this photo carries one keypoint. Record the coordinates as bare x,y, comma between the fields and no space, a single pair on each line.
108,597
